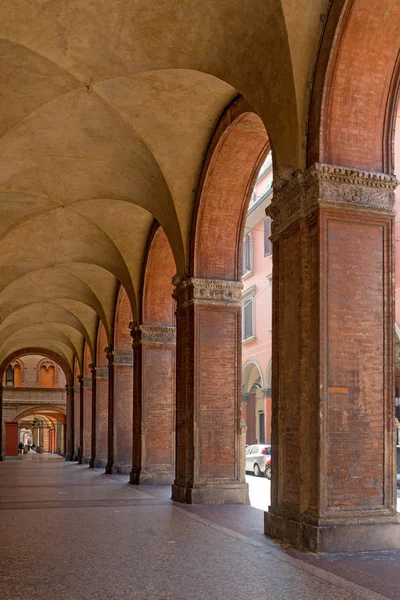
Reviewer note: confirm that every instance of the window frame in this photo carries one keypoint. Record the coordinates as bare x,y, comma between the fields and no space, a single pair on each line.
249,295
247,255
267,234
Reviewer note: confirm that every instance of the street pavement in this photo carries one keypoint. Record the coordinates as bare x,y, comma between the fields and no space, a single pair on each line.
260,492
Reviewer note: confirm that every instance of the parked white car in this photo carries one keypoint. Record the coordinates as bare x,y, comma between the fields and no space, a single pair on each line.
258,460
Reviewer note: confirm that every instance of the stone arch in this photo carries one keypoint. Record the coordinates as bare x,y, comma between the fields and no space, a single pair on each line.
153,450
251,372
352,125
253,403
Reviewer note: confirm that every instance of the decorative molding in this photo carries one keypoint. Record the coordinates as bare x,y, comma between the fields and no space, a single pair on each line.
323,185
101,372
161,334
87,382
198,290
123,357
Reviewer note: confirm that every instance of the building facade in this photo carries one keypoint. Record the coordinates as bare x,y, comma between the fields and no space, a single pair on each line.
34,404
257,311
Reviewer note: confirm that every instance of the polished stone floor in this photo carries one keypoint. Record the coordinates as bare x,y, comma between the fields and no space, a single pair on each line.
69,532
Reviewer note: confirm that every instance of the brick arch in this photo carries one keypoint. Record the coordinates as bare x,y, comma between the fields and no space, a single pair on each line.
234,157
153,443
101,345
100,430
356,86
157,304
46,353
123,316
121,388
87,403
42,409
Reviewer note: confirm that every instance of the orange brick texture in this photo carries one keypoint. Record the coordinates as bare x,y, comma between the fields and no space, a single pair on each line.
101,416
210,463
153,455
87,406
120,440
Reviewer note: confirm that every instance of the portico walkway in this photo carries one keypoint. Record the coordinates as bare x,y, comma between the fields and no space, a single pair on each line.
70,532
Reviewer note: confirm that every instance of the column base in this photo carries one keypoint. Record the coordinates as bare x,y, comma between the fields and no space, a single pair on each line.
69,456
360,537
226,493
119,469
85,460
99,463
151,477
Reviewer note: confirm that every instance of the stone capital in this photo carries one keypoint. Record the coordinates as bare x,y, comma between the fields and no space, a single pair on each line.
123,357
87,382
324,185
161,334
101,372
200,290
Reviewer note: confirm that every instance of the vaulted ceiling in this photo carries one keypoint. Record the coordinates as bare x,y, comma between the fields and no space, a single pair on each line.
106,111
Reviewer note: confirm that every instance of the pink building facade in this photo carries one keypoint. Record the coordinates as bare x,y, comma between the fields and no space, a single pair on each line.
257,312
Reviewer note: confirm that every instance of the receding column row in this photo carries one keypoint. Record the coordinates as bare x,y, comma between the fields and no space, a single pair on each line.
333,465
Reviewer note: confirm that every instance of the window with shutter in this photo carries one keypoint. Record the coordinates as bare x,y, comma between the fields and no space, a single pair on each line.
247,264
267,234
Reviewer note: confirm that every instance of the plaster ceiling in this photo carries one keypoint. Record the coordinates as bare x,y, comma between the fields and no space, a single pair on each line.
106,111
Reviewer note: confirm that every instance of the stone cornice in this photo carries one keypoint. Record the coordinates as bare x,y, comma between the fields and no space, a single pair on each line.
330,185
123,357
199,290
87,382
161,334
101,372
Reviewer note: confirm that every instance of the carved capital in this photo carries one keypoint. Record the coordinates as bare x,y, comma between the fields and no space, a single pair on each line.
330,185
123,357
159,334
214,291
101,372
87,382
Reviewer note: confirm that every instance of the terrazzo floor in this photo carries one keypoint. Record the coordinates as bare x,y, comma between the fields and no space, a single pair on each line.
70,532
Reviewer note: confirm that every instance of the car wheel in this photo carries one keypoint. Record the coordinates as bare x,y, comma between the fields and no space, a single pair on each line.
256,470
267,472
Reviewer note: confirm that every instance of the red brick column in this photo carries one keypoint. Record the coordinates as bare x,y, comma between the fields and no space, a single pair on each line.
153,449
87,419
77,421
333,467
12,439
69,440
101,418
121,459
81,400
1,425
209,461
93,436
110,424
